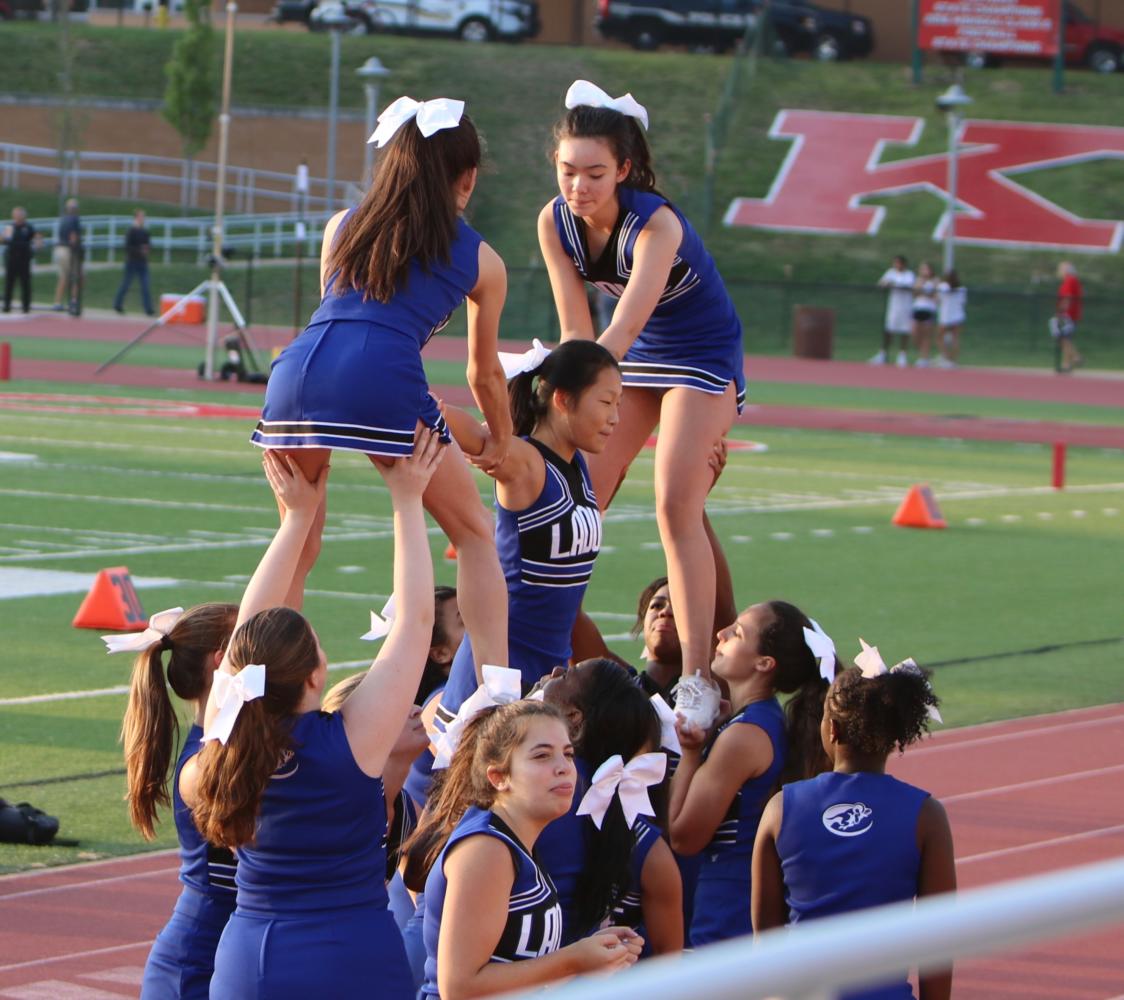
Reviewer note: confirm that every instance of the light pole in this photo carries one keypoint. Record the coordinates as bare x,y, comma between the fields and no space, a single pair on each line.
371,73
337,22
951,102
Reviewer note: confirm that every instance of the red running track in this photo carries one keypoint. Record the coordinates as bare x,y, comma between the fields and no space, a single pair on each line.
1024,797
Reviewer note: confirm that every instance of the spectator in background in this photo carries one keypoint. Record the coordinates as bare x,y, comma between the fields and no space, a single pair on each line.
21,239
899,279
67,257
1068,315
924,312
953,301
137,243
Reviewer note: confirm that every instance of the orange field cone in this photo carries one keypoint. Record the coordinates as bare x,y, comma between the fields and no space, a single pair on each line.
919,509
112,603
451,553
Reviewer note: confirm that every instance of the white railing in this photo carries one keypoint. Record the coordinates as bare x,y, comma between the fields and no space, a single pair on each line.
276,235
816,960
161,178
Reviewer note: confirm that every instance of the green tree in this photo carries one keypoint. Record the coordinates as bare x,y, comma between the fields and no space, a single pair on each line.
189,100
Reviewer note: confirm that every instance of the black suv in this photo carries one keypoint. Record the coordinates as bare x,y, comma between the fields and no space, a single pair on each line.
719,24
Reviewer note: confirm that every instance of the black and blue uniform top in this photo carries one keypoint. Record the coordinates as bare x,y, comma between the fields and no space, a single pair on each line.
693,337
534,918
547,552
738,830
319,843
848,842
628,910
203,867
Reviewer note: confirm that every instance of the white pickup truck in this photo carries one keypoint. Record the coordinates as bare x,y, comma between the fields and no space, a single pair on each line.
470,20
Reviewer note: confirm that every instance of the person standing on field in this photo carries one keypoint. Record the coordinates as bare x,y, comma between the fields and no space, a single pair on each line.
1068,316
899,279
137,244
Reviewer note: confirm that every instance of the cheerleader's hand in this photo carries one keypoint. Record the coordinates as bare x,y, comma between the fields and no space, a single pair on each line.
717,459
608,950
407,478
691,736
294,493
492,456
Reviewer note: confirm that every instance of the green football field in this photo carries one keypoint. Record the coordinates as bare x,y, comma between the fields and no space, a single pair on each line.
1016,605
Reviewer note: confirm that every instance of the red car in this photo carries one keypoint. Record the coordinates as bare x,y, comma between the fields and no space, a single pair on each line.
1087,43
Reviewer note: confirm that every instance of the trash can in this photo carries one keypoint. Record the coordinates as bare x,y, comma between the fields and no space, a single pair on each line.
813,329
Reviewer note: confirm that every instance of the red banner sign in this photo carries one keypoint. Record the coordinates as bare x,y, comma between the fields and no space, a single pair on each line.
1011,27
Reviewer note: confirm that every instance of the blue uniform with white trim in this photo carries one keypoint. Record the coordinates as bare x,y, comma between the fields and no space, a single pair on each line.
721,908
353,380
848,842
312,917
534,918
693,338
628,910
547,553
182,958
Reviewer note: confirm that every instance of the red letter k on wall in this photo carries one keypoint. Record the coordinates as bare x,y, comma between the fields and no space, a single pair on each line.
834,163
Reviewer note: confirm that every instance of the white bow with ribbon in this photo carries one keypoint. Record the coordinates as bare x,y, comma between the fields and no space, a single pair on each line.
582,93
525,361
431,116
159,625
231,692
380,623
669,738
870,662
630,781
823,649
502,685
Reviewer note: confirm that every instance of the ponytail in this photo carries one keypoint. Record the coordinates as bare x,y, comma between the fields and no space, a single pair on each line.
875,715
572,367
150,729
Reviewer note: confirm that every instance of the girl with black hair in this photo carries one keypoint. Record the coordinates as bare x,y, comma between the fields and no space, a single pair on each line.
392,272
182,958
856,837
725,778
675,332
548,525
663,655
612,870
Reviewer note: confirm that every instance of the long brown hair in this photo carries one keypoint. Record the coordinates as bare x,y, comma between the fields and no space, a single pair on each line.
233,778
623,133
488,741
150,729
408,213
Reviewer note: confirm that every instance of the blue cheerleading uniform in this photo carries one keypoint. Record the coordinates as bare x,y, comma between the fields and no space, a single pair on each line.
628,910
693,338
721,908
353,380
534,918
182,958
547,553
312,917
848,842
420,778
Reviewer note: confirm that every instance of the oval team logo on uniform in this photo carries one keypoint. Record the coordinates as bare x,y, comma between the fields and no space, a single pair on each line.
287,768
848,819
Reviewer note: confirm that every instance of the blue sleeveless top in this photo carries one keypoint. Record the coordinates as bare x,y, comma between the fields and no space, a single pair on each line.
423,306
694,336
319,841
736,833
848,842
534,918
203,867
547,553
628,910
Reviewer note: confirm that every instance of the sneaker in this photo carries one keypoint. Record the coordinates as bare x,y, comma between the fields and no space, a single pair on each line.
946,363
58,307
697,699
903,361
921,363
878,359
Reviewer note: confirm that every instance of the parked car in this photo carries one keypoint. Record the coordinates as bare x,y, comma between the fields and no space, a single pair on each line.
293,10
11,9
1087,43
797,26
470,20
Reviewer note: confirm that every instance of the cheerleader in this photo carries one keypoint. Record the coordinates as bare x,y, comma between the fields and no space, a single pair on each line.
674,329
855,837
492,919
725,778
299,791
392,272
181,961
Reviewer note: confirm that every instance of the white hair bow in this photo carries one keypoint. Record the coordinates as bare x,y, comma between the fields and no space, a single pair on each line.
669,738
630,781
823,649
584,93
380,623
159,625
501,686
432,116
870,662
231,692
525,361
